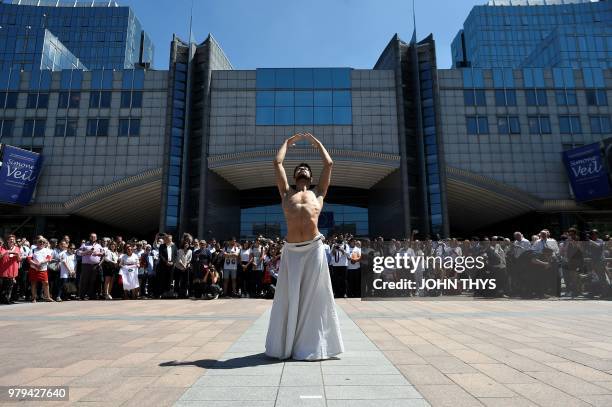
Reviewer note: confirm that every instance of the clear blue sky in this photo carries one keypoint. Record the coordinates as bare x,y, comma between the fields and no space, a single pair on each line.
307,33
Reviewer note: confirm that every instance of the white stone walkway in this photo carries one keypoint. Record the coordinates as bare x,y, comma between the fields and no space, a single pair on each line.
245,377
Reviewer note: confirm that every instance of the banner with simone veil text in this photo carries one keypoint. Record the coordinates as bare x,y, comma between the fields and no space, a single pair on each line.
588,172
19,171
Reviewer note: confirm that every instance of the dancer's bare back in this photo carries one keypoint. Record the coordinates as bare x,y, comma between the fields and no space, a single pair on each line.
302,206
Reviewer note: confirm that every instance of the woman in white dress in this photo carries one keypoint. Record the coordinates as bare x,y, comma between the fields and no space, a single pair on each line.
129,263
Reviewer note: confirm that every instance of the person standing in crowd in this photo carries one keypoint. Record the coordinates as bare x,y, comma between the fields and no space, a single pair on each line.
544,240
217,260
353,272
212,244
128,263
417,249
120,244
230,267
91,255
595,250
339,267
244,275
182,268
520,240
110,266
53,268
272,268
39,259
67,263
10,259
573,253
200,261
327,254
20,291
142,275
496,265
165,269
366,267
149,259
257,265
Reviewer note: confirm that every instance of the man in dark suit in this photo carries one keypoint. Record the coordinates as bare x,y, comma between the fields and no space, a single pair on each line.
167,257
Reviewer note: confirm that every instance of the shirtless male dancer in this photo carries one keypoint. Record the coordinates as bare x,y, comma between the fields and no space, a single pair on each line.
303,321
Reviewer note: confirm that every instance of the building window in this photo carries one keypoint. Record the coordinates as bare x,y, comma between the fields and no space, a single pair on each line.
131,98
129,127
32,101
100,99
474,97
505,97
97,127
6,128
539,125
66,127
566,97
8,100
303,96
477,124
508,125
37,101
570,125
102,79
69,99
596,97
536,97
600,124
34,128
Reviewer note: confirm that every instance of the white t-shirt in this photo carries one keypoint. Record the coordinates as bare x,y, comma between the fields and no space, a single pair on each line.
353,251
42,256
67,258
339,259
245,254
231,259
257,260
129,263
111,256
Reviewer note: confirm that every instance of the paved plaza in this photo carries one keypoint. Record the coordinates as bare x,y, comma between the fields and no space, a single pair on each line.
398,353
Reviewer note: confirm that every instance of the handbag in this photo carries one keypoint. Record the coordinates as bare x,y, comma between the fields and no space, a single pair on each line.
53,266
70,287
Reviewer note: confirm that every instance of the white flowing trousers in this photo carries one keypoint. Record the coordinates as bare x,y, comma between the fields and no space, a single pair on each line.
303,321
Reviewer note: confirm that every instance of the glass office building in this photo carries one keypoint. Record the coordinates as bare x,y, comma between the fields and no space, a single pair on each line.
99,33
35,48
516,33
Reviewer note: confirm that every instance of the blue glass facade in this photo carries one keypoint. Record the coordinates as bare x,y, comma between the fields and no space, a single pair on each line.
269,220
99,35
560,35
179,98
430,136
303,96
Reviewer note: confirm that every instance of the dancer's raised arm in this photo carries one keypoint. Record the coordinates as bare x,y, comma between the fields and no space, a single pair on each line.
279,170
325,178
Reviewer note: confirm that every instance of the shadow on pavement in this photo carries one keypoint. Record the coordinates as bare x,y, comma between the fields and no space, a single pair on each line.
258,359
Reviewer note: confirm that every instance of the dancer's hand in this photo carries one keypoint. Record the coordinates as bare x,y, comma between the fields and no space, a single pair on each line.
312,139
294,139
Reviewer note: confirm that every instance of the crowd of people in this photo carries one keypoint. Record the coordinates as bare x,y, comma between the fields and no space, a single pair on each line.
54,269
576,265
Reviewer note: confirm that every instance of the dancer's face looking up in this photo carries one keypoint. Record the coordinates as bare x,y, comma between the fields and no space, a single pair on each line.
302,171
